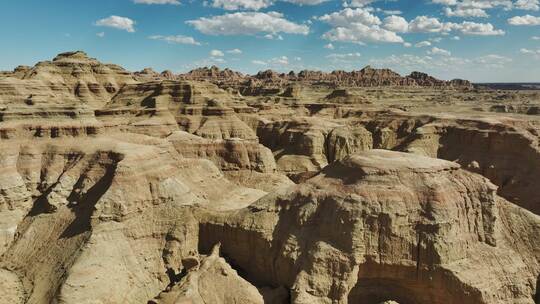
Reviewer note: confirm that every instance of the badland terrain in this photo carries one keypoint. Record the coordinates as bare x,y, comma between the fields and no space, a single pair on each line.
218,187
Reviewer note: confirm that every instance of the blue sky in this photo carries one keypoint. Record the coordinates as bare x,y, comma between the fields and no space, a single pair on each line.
481,40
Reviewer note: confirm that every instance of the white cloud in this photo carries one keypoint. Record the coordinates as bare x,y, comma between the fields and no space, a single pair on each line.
532,5
480,29
438,51
347,16
358,3
466,12
361,33
175,2
344,56
257,4
445,2
121,23
358,26
477,8
216,53
242,4
524,20
396,24
306,2
329,46
178,39
234,51
407,44
101,34
273,37
422,44
424,24
492,61
476,4
456,38
389,12
283,60
276,62
535,38
427,63
209,62
248,23
534,53
527,51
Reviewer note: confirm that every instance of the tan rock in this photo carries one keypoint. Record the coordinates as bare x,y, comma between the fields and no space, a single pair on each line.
213,282
115,187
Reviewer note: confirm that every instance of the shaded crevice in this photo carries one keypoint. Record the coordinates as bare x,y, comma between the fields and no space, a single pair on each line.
41,204
84,206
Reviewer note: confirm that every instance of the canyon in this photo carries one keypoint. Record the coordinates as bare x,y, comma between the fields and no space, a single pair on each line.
218,187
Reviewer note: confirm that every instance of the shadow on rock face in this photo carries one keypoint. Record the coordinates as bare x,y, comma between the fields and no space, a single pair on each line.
84,206
537,296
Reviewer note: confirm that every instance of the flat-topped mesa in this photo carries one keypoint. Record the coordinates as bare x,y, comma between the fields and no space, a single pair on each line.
384,162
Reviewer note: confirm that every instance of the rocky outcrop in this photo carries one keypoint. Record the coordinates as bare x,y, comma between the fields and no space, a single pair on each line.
72,74
344,96
490,149
68,199
232,154
57,98
519,109
305,146
159,108
383,226
270,82
133,187
210,280
424,80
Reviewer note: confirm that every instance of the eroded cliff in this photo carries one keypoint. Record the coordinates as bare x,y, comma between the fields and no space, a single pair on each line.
128,188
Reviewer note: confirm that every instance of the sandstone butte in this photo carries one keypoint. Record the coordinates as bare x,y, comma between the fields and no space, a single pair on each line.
218,187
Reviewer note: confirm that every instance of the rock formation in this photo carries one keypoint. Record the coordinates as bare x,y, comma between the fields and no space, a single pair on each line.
383,225
310,187
270,82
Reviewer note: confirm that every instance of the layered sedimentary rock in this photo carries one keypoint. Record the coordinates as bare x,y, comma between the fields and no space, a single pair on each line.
136,182
210,280
343,96
228,154
488,148
60,192
270,82
199,108
386,226
71,75
58,97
